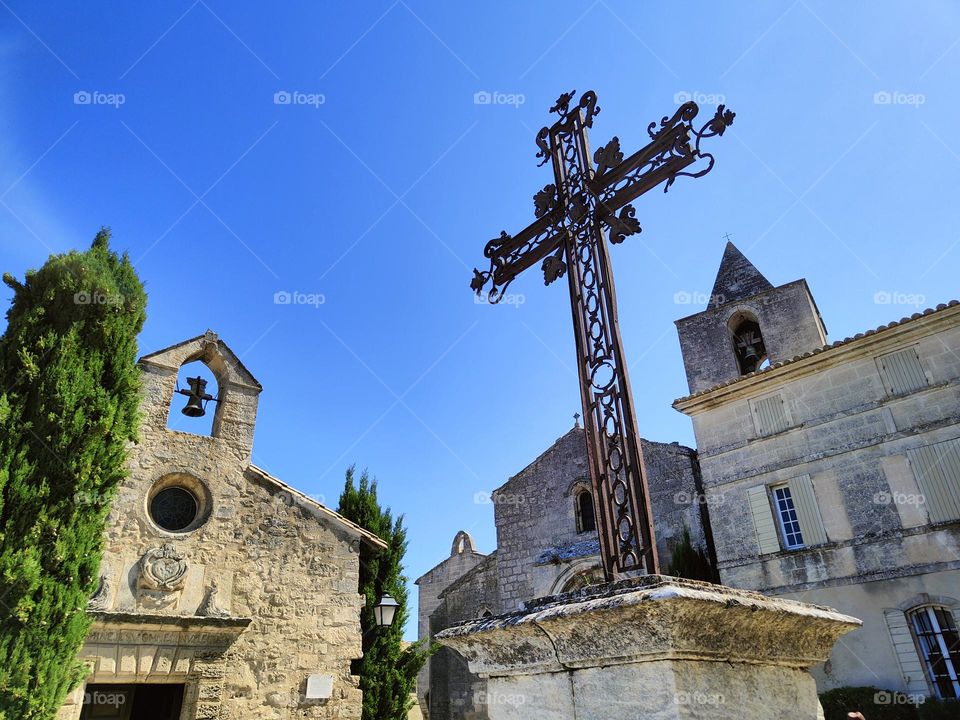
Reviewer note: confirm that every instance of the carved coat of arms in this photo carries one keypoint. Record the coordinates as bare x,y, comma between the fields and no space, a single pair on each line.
163,568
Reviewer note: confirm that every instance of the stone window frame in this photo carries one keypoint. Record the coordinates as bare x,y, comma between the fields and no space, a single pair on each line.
735,317
575,491
189,482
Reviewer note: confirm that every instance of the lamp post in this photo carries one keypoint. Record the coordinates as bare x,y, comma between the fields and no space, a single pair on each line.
385,610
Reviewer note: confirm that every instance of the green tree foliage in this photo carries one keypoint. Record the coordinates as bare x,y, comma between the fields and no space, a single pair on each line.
691,563
388,672
69,397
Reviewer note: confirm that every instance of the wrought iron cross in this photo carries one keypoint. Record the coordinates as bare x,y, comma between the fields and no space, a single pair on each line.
591,194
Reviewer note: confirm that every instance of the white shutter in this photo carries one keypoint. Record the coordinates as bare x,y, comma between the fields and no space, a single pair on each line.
808,513
911,667
902,372
937,470
763,520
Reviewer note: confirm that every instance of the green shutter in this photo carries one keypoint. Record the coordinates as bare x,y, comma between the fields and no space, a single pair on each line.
902,371
770,415
763,520
808,513
905,649
937,470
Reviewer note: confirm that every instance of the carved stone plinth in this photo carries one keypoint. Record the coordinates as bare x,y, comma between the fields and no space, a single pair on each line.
652,647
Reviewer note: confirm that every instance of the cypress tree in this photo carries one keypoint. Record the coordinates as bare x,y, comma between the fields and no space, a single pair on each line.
388,671
69,399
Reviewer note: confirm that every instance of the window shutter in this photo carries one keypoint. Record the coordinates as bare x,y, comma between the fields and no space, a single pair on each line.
911,668
937,470
808,513
763,520
769,415
902,372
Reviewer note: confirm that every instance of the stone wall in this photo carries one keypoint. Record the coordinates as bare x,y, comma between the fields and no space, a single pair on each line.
848,435
260,592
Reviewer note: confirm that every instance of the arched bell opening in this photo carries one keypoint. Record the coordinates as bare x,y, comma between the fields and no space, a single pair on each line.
748,343
196,399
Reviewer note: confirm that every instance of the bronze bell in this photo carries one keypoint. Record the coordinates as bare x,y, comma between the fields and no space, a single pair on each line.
197,396
750,353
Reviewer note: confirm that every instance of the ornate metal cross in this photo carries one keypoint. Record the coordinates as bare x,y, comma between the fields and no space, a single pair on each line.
568,238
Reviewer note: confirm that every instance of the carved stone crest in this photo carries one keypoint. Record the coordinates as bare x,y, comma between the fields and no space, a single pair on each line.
163,568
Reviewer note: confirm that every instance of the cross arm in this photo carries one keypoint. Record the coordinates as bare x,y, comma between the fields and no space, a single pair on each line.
510,255
673,148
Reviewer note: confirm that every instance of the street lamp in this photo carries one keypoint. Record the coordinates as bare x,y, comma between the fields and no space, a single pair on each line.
385,610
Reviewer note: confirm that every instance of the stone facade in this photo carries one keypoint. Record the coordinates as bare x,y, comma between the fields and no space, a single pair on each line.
543,548
860,440
252,596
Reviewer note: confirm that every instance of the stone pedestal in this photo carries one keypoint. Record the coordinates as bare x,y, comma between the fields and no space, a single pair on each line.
656,648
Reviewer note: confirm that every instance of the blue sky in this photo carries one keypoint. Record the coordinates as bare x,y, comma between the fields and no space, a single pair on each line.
377,187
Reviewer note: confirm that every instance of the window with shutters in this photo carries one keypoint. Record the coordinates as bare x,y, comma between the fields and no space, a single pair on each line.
769,415
787,519
937,471
902,372
936,634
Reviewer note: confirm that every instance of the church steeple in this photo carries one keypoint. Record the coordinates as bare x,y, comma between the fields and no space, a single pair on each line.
748,324
737,278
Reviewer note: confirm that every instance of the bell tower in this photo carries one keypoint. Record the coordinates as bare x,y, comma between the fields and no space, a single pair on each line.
748,324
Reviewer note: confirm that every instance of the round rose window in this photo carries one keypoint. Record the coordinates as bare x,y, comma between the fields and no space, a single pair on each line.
174,508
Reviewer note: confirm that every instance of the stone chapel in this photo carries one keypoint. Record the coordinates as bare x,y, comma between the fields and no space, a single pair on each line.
224,592
827,473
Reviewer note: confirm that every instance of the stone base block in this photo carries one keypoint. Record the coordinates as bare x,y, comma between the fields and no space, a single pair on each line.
656,648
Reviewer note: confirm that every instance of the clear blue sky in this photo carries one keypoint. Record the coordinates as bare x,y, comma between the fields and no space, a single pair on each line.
381,198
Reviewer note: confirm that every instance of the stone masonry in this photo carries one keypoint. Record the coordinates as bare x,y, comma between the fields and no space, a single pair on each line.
257,594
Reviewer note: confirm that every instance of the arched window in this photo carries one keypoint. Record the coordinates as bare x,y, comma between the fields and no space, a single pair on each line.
586,578
936,633
748,343
586,519
485,613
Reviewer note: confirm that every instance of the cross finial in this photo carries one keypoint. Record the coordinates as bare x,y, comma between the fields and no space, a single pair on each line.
576,419
727,236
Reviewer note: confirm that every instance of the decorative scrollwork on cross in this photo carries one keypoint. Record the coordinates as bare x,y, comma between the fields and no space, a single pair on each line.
623,224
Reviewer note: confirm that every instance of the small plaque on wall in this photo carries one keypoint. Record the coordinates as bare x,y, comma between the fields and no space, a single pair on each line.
319,687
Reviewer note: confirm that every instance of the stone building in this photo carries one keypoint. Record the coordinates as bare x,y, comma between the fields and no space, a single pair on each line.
224,592
825,473
546,544
832,471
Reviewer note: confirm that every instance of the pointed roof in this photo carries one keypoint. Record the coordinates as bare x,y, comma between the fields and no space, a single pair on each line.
737,278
